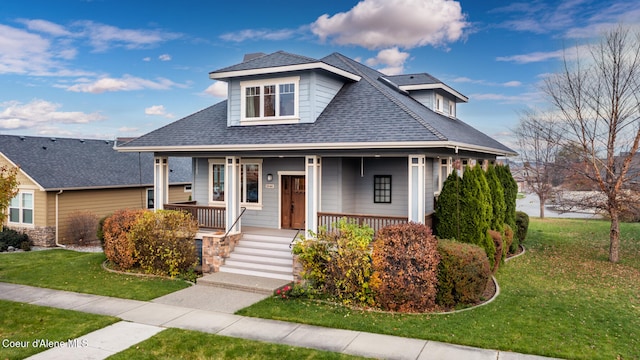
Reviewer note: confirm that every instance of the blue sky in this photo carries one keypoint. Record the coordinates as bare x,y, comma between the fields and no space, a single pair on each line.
107,68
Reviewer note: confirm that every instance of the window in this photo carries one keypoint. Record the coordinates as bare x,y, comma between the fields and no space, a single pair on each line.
439,103
250,181
452,109
150,201
217,182
445,170
270,99
382,189
188,188
21,209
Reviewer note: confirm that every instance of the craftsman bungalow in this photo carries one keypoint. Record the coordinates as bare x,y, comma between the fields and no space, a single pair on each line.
302,142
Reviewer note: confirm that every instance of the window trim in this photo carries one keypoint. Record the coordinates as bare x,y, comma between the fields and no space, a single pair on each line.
452,109
21,209
264,120
376,195
243,163
439,105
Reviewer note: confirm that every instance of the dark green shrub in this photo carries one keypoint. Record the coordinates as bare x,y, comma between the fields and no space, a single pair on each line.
164,242
498,243
10,237
475,211
405,263
499,206
463,273
118,247
522,226
447,211
510,193
338,263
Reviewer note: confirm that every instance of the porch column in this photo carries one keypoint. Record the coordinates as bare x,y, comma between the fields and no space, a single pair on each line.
312,191
160,181
416,188
232,193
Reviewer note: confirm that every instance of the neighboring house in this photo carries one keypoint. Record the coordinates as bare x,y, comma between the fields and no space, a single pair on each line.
302,142
59,176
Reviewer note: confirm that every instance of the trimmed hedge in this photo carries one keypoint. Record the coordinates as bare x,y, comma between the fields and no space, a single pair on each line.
510,193
475,211
405,264
447,211
498,243
522,226
463,273
118,247
499,208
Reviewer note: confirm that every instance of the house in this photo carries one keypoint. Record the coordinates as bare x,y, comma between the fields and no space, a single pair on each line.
303,142
60,176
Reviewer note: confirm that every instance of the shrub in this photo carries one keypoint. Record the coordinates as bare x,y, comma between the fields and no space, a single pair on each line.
507,240
475,213
165,242
447,211
499,206
338,263
10,237
463,273
405,263
81,227
522,226
118,247
100,230
510,193
497,242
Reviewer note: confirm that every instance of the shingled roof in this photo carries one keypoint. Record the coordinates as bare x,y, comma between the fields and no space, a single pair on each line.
365,113
63,163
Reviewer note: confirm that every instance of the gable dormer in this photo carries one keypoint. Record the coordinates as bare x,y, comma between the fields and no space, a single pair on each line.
280,88
430,92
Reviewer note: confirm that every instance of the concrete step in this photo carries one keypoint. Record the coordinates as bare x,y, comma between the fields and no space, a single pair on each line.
262,265
262,252
263,245
266,238
285,259
243,282
244,271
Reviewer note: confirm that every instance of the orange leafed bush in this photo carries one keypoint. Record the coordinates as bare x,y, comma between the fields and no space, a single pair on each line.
118,247
405,263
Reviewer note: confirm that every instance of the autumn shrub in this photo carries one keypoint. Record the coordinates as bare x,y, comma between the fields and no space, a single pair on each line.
522,226
81,228
100,230
497,242
338,263
405,262
463,273
507,240
164,242
118,247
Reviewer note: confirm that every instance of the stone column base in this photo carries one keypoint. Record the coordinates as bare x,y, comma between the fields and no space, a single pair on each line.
214,251
39,235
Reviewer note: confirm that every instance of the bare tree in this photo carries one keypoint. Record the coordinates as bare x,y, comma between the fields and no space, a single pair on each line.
539,142
598,99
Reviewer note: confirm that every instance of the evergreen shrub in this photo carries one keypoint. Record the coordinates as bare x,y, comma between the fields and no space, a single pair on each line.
475,211
405,264
17,240
522,226
498,243
463,273
447,211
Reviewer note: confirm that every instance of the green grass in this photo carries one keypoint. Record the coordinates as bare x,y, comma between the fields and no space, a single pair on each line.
26,323
561,299
80,272
183,344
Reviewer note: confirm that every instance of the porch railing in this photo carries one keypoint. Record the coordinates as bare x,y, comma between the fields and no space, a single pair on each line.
208,217
376,222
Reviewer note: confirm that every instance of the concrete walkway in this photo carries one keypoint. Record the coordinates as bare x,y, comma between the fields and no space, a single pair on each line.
145,319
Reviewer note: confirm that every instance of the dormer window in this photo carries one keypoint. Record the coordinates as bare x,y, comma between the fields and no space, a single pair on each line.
270,100
452,108
439,103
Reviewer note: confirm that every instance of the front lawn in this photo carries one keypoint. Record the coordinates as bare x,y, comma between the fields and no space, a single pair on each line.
184,344
561,299
22,324
80,272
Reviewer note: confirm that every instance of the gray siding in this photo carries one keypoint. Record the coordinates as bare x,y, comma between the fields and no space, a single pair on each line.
200,189
322,90
331,185
425,97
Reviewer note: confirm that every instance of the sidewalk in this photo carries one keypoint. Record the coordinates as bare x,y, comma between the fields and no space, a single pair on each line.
145,319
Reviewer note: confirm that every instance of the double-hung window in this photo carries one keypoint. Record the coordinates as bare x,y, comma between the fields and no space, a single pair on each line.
250,182
21,208
270,99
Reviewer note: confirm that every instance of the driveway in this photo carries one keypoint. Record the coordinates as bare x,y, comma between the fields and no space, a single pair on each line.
531,205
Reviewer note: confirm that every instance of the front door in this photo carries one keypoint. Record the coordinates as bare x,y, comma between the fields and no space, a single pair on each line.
293,202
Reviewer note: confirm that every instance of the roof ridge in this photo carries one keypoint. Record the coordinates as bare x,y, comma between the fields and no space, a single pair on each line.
384,91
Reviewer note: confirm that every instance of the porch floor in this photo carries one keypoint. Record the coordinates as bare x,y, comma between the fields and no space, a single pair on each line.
256,231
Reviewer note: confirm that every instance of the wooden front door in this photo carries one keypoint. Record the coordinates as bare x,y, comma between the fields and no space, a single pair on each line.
293,202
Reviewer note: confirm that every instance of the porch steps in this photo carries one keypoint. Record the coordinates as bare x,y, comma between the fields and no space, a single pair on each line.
255,284
262,256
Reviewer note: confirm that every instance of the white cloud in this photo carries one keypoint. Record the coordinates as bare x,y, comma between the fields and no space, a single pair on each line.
147,59
22,52
217,89
126,129
392,58
527,97
376,24
570,53
125,83
15,115
102,37
264,34
512,83
46,27
158,110
164,57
